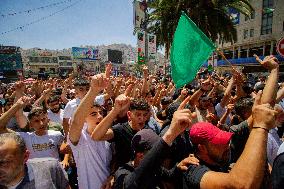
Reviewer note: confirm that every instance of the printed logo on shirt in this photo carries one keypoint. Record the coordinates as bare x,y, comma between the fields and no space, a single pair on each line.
42,147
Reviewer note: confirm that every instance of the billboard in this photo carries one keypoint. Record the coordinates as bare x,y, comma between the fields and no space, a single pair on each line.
8,49
10,62
85,53
152,48
10,58
139,15
115,56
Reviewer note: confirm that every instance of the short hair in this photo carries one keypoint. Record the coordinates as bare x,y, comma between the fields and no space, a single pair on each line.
36,111
81,82
53,99
139,104
243,105
18,139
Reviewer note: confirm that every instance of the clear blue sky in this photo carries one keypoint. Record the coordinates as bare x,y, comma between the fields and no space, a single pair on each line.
89,22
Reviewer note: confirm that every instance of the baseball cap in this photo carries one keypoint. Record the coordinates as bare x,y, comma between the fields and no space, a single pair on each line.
204,131
144,140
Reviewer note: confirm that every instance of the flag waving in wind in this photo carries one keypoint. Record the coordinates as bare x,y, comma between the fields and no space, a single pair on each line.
190,49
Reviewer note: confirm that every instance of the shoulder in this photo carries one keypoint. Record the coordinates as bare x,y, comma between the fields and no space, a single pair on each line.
194,175
54,133
43,162
71,103
120,126
25,134
121,173
277,172
240,127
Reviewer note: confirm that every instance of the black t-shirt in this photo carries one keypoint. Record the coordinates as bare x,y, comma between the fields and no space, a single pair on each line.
148,174
239,139
192,177
123,135
277,173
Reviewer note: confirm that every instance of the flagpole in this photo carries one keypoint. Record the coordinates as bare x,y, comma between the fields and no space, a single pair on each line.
223,56
226,60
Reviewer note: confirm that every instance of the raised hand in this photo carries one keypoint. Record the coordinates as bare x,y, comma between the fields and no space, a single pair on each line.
206,85
269,62
182,119
20,87
190,160
145,71
99,82
108,70
230,107
263,114
121,103
24,101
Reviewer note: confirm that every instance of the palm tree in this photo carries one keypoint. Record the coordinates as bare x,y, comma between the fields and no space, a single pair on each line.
211,16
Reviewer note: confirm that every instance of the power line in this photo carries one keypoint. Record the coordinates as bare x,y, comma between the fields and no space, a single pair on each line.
40,19
34,9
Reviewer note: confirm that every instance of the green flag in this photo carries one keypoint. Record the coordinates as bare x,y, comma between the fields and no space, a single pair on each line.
190,49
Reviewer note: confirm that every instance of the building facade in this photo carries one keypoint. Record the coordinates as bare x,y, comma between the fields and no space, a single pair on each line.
257,34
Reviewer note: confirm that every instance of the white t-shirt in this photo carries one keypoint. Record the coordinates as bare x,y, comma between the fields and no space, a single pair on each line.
220,111
273,144
55,117
92,160
100,99
43,146
70,108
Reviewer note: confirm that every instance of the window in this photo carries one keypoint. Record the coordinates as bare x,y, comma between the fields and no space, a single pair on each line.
252,16
267,17
266,25
245,34
251,32
267,3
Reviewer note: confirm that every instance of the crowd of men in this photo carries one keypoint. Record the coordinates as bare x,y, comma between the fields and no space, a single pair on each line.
102,132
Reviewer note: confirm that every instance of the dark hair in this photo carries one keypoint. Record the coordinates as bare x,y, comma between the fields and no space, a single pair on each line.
139,104
19,140
81,82
166,100
242,106
170,110
36,111
53,99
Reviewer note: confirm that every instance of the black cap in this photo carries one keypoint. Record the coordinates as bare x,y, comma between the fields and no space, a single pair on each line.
144,140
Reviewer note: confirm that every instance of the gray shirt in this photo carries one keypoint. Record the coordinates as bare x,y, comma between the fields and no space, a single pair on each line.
44,173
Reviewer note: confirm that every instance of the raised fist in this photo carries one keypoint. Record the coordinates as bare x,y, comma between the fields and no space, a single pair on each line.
98,82
121,103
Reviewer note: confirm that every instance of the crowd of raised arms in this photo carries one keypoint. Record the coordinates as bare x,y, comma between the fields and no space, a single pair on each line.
126,132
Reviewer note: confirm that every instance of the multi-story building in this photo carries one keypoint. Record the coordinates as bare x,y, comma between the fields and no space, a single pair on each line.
257,34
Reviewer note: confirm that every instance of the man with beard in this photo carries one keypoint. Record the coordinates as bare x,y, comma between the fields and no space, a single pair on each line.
54,113
16,171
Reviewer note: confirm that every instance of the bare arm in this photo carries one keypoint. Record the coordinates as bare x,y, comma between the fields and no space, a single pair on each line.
4,119
227,94
249,169
102,131
270,89
280,95
84,109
